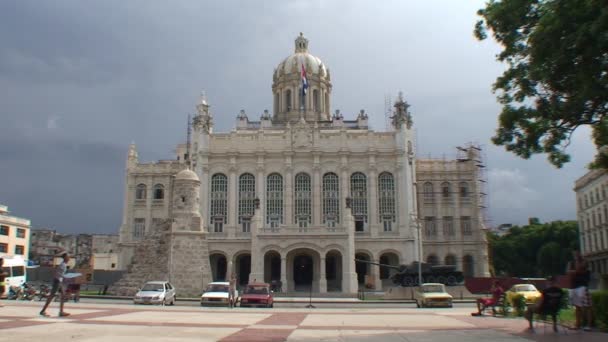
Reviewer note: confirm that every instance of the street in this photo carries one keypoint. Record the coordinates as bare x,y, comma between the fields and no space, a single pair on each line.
115,320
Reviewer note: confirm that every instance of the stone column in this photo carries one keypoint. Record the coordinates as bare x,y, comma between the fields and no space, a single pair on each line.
322,277
257,258
401,199
376,275
344,191
284,284
204,196
317,189
349,274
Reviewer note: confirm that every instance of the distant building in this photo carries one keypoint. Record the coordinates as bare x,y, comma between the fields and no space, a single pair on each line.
503,229
592,215
85,249
14,234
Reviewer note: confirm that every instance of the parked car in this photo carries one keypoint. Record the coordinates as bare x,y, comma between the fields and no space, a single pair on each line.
155,292
217,293
529,291
432,294
257,294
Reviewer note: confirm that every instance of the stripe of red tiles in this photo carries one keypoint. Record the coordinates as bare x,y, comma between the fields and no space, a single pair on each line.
164,324
284,319
21,324
254,335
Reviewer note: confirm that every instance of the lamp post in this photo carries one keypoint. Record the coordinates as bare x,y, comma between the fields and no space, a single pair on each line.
419,229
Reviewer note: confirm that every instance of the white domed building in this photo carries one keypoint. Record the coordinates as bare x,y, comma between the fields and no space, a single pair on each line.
296,196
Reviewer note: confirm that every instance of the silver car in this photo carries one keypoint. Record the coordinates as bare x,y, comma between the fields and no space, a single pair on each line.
155,292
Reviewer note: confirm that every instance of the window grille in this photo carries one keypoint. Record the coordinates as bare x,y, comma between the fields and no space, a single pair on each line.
358,193
140,192
246,197
386,199
465,223
218,203
139,228
302,197
331,199
430,228
274,200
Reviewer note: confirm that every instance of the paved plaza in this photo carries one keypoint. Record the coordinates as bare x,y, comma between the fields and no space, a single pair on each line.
19,321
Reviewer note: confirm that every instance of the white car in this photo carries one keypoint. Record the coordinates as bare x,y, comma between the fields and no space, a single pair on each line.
155,292
217,293
432,294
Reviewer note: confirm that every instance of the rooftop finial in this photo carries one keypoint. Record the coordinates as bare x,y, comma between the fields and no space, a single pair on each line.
301,43
203,97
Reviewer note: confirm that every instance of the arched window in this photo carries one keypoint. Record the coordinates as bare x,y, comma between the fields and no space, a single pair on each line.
432,259
386,200
468,268
427,190
274,200
159,192
430,227
450,259
288,100
302,198
358,193
446,190
140,192
218,203
246,201
448,226
464,190
315,100
331,199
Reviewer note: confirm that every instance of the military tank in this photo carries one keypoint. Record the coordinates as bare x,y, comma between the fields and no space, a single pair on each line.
407,275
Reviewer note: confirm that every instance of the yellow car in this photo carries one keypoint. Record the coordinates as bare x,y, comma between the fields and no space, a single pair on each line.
529,291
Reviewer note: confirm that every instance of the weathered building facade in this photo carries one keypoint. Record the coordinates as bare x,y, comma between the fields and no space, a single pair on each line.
298,195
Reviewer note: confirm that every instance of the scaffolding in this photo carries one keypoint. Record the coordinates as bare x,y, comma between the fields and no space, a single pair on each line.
474,154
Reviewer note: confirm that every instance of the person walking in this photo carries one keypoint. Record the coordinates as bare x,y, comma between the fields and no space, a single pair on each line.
232,291
58,285
581,299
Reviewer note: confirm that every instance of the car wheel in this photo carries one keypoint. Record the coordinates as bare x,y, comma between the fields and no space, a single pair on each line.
172,301
417,304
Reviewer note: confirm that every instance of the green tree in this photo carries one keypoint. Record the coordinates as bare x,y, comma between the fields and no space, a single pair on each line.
534,250
557,80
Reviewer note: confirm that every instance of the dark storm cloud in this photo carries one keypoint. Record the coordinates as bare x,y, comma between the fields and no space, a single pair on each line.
80,80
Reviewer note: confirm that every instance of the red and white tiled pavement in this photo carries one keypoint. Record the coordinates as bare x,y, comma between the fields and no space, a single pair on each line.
19,321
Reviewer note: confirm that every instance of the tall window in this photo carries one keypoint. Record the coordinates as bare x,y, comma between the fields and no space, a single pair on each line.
302,214
159,192
19,250
386,200
3,247
331,199
448,226
464,190
315,100
246,200
274,200
288,99
4,230
465,224
218,203
139,228
358,193
140,192
430,227
427,190
446,191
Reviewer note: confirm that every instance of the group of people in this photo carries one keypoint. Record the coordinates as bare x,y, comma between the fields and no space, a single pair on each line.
551,297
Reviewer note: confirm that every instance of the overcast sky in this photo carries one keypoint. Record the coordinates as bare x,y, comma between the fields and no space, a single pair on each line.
80,80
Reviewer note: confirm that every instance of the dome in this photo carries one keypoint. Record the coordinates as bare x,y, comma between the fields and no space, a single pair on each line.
293,63
186,175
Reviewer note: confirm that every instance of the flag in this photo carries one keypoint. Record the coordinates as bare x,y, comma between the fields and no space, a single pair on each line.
304,80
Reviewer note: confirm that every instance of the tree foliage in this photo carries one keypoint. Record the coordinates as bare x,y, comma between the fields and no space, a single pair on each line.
535,250
557,76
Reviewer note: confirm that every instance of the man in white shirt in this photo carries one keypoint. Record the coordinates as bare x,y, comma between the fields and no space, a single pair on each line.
58,285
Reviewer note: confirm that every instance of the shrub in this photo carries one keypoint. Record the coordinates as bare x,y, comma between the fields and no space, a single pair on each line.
599,299
519,304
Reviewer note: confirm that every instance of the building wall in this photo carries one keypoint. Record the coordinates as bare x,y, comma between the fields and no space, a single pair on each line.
14,234
592,214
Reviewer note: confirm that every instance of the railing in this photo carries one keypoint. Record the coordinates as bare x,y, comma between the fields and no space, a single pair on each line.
302,230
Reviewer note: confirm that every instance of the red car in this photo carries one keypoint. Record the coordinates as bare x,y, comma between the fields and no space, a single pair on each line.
257,294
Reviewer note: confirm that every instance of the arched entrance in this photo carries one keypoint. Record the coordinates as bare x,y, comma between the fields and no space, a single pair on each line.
243,268
333,271
386,273
362,268
303,270
272,267
218,267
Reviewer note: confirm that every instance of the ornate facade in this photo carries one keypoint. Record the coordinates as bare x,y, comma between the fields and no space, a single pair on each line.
298,195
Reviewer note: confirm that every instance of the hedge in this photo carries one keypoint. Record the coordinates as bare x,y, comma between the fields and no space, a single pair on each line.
599,299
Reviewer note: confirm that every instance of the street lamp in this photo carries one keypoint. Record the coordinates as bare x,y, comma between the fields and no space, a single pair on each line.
419,229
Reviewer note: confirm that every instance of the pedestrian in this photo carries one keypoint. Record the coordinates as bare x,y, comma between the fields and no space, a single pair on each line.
548,304
2,277
581,299
58,285
232,290
482,303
